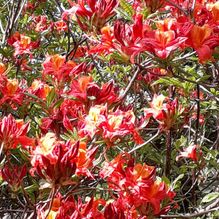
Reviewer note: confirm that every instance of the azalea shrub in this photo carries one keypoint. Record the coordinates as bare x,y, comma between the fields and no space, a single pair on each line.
109,109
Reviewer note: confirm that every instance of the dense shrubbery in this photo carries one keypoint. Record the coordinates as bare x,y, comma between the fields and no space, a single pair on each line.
109,109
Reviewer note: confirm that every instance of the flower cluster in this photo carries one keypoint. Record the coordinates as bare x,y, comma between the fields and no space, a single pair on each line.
108,108
138,189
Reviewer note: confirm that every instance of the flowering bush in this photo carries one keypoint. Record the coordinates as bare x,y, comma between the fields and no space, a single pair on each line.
109,109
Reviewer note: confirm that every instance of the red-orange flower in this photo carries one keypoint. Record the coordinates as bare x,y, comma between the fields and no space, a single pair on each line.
70,208
164,110
215,12
12,133
60,26
22,44
2,68
110,125
193,152
13,175
118,124
92,13
56,67
40,23
203,40
40,89
85,159
124,39
164,40
54,160
11,91
88,92
136,186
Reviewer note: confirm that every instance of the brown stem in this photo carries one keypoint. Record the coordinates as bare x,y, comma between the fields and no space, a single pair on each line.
178,7
130,84
28,200
197,114
168,152
52,195
193,215
196,141
216,143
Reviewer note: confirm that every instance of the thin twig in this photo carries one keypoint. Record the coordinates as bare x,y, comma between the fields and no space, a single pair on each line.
145,143
14,210
52,194
212,205
19,13
197,114
130,84
177,6
168,152
192,9
10,15
193,215
95,64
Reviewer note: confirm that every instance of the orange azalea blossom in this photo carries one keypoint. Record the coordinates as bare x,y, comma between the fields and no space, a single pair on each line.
91,13
54,160
215,12
164,111
118,124
203,40
22,44
85,159
55,207
40,23
12,86
11,91
70,208
206,13
72,112
89,93
124,39
12,133
13,175
91,122
79,87
53,122
200,34
111,126
167,24
40,89
136,185
50,150
165,39
56,203
130,40
57,67
60,26
2,68
192,152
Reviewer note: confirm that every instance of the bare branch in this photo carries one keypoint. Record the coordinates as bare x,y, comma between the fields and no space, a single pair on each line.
145,143
200,213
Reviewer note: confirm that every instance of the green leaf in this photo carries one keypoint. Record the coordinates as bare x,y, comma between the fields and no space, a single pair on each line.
58,103
32,188
126,7
210,197
175,182
50,97
169,81
166,180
